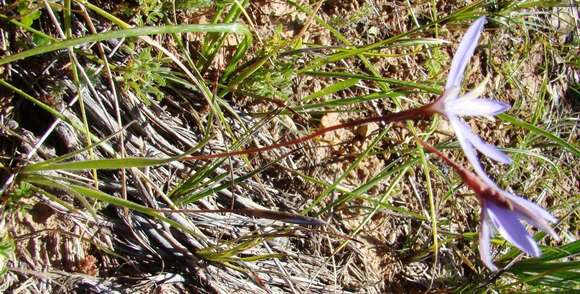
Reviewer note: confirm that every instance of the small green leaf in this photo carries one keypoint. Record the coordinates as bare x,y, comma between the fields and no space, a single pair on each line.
332,89
40,40
29,18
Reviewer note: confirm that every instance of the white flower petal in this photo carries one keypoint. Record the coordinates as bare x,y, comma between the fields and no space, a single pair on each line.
464,53
476,107
485,233
533,214
488,150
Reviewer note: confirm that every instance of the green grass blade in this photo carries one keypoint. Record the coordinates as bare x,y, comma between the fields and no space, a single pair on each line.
107,164
193,197
348,170
104,197
99,164
557,140
331,89
126,33
422,86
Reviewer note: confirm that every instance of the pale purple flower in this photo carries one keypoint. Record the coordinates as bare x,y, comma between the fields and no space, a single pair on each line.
496,215
453,105
502,211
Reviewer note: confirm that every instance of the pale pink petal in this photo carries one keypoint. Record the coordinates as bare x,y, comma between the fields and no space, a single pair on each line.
485,233
464,53
476,107
488,150
509,226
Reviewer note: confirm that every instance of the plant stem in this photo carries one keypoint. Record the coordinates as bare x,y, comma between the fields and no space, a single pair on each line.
419,113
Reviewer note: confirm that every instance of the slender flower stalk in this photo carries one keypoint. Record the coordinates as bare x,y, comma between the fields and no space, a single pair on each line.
422,112
502,211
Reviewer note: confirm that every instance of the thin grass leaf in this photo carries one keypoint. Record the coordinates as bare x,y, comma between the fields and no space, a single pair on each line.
104,197
555,139
417,85
335,103
331,89
240,53
77,152
244,74
54,112
329,189
389,170
256,258
402,171
126,33
107,164
193,197
214,41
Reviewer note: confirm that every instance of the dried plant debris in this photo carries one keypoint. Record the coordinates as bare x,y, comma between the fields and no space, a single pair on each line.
105,187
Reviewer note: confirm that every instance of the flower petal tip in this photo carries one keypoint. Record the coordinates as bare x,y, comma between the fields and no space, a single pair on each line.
464,52
501,107
535,252
505,159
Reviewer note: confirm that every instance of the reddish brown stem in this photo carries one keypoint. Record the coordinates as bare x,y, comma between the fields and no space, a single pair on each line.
423,112
481,189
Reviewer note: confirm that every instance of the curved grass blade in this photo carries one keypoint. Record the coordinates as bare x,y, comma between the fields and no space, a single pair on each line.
125,33
557,140
104,197
282,216
422,86
107,164
331,188
339,86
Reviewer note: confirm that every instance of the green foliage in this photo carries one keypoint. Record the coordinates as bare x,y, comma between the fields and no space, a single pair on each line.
257,72
230,256
436,62
7,248
126,32
574,149
39,40
23,190
145,75
192,4
29,12
271,82
151,11
557,268
360,15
